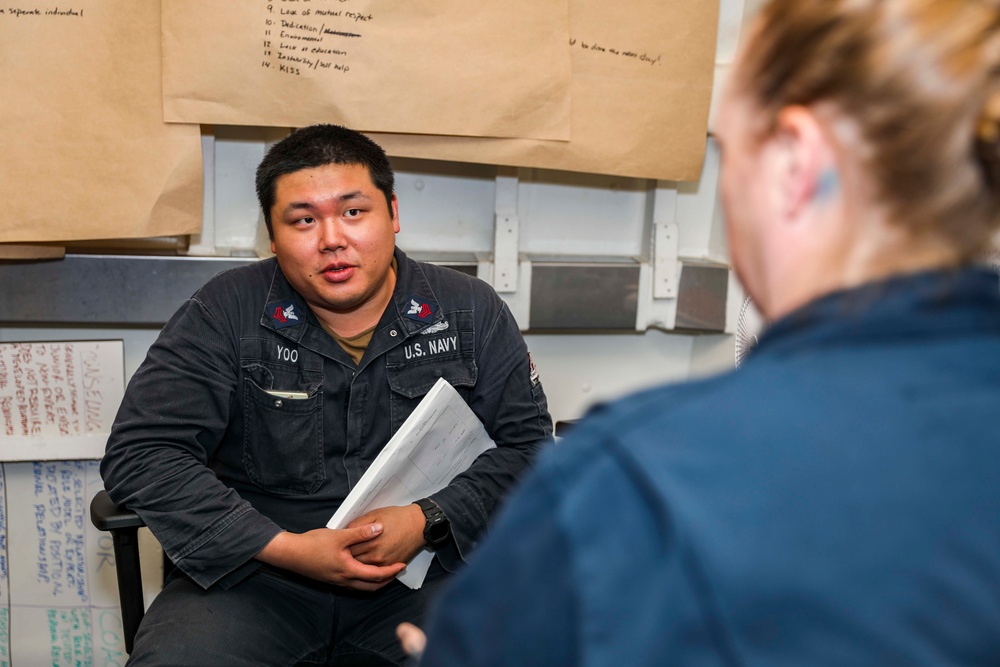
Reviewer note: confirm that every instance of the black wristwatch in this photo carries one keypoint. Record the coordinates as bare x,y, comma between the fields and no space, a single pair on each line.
437,530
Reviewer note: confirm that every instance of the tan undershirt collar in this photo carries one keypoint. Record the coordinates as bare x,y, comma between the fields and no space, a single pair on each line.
355,346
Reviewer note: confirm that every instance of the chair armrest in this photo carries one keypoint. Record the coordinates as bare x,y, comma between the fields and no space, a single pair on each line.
123,524
564,426
106,515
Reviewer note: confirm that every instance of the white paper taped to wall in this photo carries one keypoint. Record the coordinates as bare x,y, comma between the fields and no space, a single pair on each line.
58,593
58,400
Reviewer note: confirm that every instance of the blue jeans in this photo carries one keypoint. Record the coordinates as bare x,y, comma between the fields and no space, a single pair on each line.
278,618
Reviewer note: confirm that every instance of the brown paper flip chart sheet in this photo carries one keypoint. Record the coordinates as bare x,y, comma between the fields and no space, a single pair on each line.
17,251
85,151
493,68
642,84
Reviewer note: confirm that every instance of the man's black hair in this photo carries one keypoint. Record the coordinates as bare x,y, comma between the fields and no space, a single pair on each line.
316,146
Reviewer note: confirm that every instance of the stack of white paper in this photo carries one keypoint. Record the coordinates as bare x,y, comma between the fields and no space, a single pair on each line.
440,439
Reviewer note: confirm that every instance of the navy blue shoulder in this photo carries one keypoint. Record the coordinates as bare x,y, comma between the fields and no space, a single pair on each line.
253,279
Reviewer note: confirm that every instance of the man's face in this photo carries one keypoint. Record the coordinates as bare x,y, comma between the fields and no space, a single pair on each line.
334,235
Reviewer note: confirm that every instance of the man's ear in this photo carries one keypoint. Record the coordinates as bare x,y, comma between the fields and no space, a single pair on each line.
805,160
395,212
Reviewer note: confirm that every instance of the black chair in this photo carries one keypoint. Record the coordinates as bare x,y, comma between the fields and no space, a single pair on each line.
123,524
564,426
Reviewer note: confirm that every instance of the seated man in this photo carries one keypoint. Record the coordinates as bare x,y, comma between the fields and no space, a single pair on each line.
270,392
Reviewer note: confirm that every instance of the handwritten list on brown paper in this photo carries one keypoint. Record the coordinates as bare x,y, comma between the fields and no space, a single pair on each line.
493,68
86,154
642,85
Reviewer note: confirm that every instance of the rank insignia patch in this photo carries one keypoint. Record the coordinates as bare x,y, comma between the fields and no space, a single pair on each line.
285,314
419,310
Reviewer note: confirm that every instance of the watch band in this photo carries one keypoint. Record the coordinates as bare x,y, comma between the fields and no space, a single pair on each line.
437,528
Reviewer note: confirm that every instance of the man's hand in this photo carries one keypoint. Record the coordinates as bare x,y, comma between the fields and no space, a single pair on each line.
412,638
325,555
402,537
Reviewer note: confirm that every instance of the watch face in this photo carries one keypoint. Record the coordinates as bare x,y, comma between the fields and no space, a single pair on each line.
438,532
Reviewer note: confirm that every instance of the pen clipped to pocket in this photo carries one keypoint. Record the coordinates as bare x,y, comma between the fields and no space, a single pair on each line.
284,393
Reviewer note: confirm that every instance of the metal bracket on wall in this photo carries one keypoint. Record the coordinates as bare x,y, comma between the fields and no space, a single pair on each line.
666,265
203,244
506,241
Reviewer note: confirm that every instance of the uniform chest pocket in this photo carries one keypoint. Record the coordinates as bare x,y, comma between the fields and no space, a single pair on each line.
411,381
283,438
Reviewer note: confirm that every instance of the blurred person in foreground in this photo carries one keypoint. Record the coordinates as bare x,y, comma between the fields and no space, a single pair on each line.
835,501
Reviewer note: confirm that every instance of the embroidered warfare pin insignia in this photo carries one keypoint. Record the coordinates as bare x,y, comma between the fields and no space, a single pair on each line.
434,328
284,314
421,311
